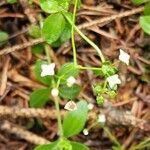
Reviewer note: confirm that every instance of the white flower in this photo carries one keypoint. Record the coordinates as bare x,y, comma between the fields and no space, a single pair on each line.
54,92
71,106
85,132
70,81
90,106
101,118
113,80
47,69
124,57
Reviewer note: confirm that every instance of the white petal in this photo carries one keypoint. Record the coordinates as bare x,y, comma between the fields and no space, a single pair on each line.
47,69
90,106
85,132
71,106
124,57
113,80
70,81
54,92
101,118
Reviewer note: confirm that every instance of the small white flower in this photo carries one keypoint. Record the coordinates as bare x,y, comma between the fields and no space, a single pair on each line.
85,132
90,106
124,57
70,81
54,92
101,118
71,106
113,80
47,69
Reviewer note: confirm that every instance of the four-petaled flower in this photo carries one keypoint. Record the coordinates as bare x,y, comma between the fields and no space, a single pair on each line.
47,69
124,57
54,92
113,80
70,81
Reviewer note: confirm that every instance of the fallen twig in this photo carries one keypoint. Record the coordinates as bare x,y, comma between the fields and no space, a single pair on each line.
22,133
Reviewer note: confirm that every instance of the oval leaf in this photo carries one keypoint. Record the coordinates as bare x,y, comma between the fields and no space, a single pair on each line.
39,97
147,9
66,71
3,37
138,2
53,6
69,92
53,27
51,146
78,146
145,23
37,70
74,121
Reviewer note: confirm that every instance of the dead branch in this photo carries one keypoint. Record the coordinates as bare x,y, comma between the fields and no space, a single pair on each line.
22,133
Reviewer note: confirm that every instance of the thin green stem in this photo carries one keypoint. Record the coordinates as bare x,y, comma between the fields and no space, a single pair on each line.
87,68
47,53
56,99
72,35
86,38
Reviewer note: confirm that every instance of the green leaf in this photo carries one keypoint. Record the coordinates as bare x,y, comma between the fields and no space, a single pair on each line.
74,121
45,80
69,92
54,6
38,49
39,97
79,146
51,146
34,31
53,27
138,2
145,23
147,9
3,37
66,34
67,70
11,1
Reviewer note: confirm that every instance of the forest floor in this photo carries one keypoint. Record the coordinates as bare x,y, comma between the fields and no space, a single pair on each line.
112,25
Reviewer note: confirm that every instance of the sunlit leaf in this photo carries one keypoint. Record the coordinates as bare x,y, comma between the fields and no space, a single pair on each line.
39,97
51,146
53,27
79,146
145,23
54,6
74,121
69,92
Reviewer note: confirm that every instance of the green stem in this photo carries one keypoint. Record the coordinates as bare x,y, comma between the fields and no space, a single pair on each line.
86,38
56,99
47,49
87,68
72,35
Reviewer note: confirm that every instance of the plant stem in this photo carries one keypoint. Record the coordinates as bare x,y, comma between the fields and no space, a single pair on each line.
47,49
87,68
86,38
72,35
56,99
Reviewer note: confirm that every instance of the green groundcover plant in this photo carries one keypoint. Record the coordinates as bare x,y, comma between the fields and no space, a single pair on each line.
145,18
58,27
